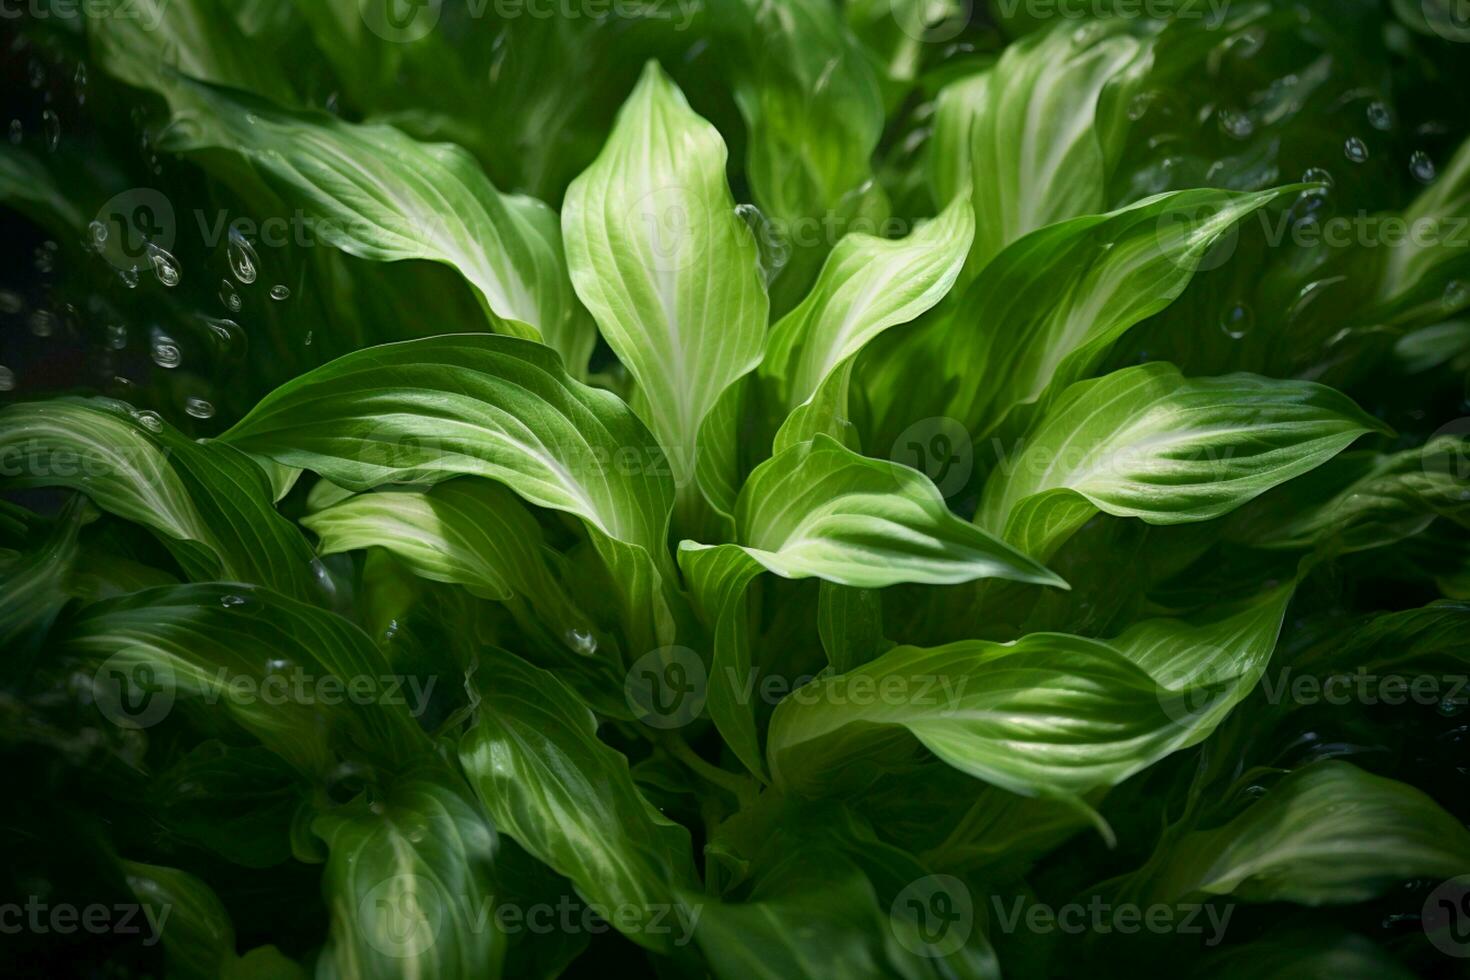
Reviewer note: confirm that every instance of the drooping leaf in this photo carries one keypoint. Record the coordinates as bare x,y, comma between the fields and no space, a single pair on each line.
1146,442
535,760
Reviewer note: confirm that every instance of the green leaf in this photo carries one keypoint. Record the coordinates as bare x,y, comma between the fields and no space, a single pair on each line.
1049,714
820,510
428,410
1326,834
814,112
535,760
377,194
201,942
667,267
410,881
309,685
35,584
867,285
1146,442
1036,151
850,622
211,505
1361,500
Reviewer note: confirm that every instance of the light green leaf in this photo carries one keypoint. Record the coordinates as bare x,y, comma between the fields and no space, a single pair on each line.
1326,834
867,285
210,504
410,881
1049,714
1050,307
667,267
375,193
1146,442
535,760
1037,156
428,410
820,510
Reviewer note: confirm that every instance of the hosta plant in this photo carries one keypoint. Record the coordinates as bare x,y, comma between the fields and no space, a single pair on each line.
773,488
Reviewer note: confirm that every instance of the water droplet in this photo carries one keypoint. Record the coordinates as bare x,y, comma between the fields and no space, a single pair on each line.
51,128
1086,34
80,80
277,665
244,263
7,379
1247,44
165,352
97,232
43,323
581,641
198,407
1380,116
1236,320
232,601
225,334
1236,125
129,277
1456,295
1317,175
165,266
149,420
308,338
17,132
229,296
1355,150
1450,707
36,73
331,104
117,336
280,292
11,302
1422,167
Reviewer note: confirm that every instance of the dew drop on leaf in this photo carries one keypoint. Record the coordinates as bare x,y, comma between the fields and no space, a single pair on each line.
229,296
165,352
149,420
1422,167
280,292
51,129
1380,117
1355,150
165,266
199,408
581,641
1236,320
244,263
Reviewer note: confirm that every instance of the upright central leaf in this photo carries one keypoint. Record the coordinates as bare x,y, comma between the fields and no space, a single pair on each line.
668,269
